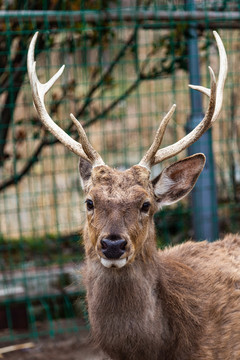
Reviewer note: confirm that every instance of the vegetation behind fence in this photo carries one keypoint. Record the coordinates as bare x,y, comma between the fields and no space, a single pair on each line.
126,64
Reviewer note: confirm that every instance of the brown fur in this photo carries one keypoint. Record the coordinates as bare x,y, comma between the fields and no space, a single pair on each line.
182,303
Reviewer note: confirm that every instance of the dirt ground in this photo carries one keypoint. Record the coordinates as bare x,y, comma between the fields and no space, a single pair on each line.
62,347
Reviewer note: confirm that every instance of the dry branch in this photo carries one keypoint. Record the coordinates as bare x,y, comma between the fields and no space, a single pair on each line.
11,348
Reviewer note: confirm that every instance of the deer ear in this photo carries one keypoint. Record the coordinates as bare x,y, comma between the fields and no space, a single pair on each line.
178,179
85,170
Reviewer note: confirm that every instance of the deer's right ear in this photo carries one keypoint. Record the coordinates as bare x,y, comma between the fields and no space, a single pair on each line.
85,170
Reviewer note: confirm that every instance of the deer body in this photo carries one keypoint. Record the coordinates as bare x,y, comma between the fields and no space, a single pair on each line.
182,304
178,304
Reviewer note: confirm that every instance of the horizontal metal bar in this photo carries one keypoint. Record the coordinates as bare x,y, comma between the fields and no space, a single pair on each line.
125,15
214,25
25,298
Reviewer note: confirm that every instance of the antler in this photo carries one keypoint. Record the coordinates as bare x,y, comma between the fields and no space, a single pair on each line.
155,156
83,149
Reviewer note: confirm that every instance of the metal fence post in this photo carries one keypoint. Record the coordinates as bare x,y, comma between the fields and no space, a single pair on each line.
204,196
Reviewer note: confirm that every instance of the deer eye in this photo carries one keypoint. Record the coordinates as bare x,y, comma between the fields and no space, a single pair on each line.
90,205
145,207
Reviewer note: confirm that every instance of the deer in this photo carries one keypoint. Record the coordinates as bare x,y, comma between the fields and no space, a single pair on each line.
179,303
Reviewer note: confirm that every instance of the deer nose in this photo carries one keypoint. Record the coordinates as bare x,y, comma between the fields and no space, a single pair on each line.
113,249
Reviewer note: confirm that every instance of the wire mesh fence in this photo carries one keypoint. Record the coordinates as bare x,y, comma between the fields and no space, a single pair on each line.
126,64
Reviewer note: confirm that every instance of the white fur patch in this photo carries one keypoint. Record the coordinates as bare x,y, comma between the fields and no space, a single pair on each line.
115,263
163,185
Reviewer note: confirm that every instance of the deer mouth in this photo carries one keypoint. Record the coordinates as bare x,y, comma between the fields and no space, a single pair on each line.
115,263
109,263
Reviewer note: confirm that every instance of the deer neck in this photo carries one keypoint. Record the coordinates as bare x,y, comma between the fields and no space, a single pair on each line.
119,300
128,288
159,293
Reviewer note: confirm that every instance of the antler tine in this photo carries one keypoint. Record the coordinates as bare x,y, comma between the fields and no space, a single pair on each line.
214,108
216,92
86,145
38,92
195,134
149,156
223,68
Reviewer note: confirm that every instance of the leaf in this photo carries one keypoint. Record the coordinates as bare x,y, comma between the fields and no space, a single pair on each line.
36,135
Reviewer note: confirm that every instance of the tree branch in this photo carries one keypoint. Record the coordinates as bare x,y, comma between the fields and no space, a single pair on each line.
6,115
141,77
108,71
17,177
12,95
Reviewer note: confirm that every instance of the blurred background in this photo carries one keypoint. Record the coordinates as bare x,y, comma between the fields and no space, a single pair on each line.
126,63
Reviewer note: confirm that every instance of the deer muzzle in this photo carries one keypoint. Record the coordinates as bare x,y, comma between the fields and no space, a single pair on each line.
114,251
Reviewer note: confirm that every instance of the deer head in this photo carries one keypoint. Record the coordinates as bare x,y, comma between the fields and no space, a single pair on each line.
120,204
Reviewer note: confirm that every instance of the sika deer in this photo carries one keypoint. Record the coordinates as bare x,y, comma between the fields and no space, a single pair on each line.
182,303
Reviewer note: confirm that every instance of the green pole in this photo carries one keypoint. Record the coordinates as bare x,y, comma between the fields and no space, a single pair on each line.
204,195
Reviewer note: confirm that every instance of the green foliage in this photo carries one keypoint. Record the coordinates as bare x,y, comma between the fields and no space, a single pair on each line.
174,49
173,225
47,250
14,40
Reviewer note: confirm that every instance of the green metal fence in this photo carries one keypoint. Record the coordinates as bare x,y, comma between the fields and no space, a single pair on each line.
126,64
